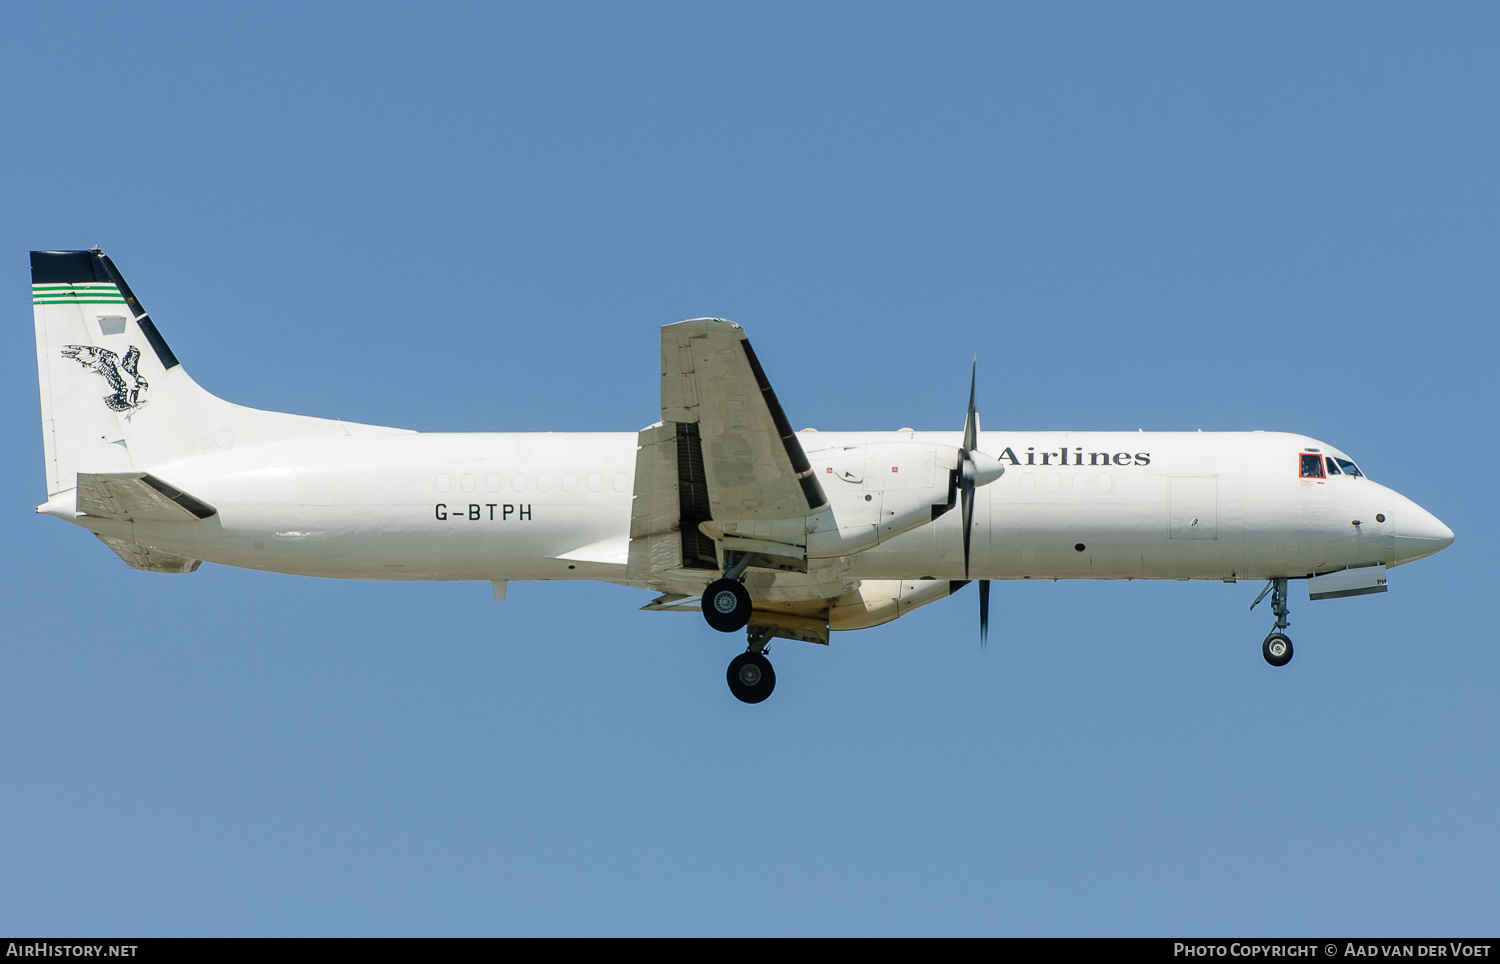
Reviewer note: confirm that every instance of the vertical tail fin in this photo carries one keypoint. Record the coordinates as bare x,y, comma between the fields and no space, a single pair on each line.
103,365
114,396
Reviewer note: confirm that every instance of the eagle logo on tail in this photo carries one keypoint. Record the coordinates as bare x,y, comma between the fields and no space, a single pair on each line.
121,373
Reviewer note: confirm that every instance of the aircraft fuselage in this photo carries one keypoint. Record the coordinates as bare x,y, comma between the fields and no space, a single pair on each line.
448,506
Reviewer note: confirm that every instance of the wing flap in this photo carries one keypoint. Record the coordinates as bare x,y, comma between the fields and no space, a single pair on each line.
789,626
671,499
674,602
611,552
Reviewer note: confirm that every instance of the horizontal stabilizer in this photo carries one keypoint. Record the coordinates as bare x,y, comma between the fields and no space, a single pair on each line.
137,497
137,556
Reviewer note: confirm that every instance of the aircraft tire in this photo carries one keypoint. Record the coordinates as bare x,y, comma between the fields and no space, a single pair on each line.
751,678
1277,649
726,605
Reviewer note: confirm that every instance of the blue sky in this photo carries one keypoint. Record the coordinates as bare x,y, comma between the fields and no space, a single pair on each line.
1159,216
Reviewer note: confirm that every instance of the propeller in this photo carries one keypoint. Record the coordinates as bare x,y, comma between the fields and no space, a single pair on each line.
966,468
975,469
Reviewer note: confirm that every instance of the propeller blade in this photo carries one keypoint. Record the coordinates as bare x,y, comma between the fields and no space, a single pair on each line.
984,612
971,421
968,504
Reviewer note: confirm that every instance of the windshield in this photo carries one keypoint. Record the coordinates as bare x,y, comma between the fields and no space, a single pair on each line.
1314,465
1337,466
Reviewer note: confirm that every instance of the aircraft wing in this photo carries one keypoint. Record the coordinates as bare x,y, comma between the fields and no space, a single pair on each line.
753,465
723,454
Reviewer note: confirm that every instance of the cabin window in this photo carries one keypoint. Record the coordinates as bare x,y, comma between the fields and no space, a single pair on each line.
596,482
621,482
444,483
466,482
492,482
569,482
518,483
1312,466
544,482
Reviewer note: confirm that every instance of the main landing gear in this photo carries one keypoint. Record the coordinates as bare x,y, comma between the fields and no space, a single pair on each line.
727,607
1277,648
751,678
726,602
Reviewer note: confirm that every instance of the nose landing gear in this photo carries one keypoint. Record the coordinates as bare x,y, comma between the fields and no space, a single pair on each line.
1277,648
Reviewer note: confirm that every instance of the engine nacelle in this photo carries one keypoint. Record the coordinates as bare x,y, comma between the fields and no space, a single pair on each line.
878,491
879,601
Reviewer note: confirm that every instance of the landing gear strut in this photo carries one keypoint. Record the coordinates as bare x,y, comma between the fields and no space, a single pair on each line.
751,678
726,602
1277,648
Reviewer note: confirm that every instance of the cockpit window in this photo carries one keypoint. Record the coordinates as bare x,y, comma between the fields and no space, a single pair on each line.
1349,467
1333,466
1312,466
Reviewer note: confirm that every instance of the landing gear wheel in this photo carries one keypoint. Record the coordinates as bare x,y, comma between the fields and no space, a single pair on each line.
726,605
1277,649
751,678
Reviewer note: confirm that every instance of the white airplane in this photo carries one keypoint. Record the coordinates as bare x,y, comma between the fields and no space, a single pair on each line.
718,507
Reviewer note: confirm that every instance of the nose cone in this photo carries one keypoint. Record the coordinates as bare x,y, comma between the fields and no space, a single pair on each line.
1419,533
